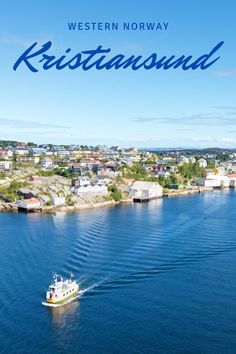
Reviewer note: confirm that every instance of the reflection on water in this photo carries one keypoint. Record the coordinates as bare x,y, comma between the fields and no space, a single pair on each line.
61,315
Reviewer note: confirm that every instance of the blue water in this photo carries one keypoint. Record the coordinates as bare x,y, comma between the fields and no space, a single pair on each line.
157,278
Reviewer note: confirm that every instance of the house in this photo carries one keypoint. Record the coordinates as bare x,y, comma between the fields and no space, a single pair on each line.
46,162
38,151
5,165
4,154
32,204
77,168
80,181
109,173
28,159
101,190
84,181
57,200
96,168
21,151
144,191
202,163
101,180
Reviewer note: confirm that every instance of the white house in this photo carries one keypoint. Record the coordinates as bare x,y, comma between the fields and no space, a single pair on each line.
46,162
101,180
84,181
21,151
28,159
101,190
5,165
57,201
202,163
145,190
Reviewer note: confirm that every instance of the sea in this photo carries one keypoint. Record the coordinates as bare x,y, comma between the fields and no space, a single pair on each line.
157,277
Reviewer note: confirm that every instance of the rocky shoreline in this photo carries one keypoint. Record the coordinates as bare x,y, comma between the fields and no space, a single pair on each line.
189,192
12,207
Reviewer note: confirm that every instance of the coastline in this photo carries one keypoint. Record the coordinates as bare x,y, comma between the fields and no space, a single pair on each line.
12,207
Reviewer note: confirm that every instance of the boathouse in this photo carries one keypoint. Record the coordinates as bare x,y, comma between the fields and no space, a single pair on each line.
29,205
142,191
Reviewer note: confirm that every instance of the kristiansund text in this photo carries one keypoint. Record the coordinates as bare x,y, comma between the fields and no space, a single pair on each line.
37,58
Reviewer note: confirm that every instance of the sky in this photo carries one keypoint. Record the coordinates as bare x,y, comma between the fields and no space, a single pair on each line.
143,108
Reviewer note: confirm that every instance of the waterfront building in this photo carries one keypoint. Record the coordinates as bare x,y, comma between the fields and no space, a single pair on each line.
232,178
31,204
142,191
213,180
57,200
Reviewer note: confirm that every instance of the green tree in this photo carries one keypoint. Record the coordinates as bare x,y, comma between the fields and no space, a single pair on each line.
115,192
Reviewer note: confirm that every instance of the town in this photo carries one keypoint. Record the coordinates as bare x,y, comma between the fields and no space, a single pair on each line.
50,177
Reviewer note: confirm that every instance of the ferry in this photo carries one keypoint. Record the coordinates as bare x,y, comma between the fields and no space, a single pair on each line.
61,291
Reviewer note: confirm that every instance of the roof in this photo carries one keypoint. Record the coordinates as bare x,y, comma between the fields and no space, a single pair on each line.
31,201
144,185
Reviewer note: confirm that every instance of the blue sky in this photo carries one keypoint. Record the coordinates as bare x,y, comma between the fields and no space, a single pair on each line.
141,108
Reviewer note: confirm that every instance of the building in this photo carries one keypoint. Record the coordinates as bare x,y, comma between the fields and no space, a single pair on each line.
232,178
21,151
5,165
214,181
29,205
46,162
57,200
144,191
101,180
202,163
99,190
28,159
5,154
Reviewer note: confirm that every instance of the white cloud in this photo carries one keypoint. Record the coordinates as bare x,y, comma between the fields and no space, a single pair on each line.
202,138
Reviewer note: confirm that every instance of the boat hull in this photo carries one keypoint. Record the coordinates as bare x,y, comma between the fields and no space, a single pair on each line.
62,301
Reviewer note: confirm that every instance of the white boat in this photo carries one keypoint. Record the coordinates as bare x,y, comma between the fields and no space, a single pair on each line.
60,291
